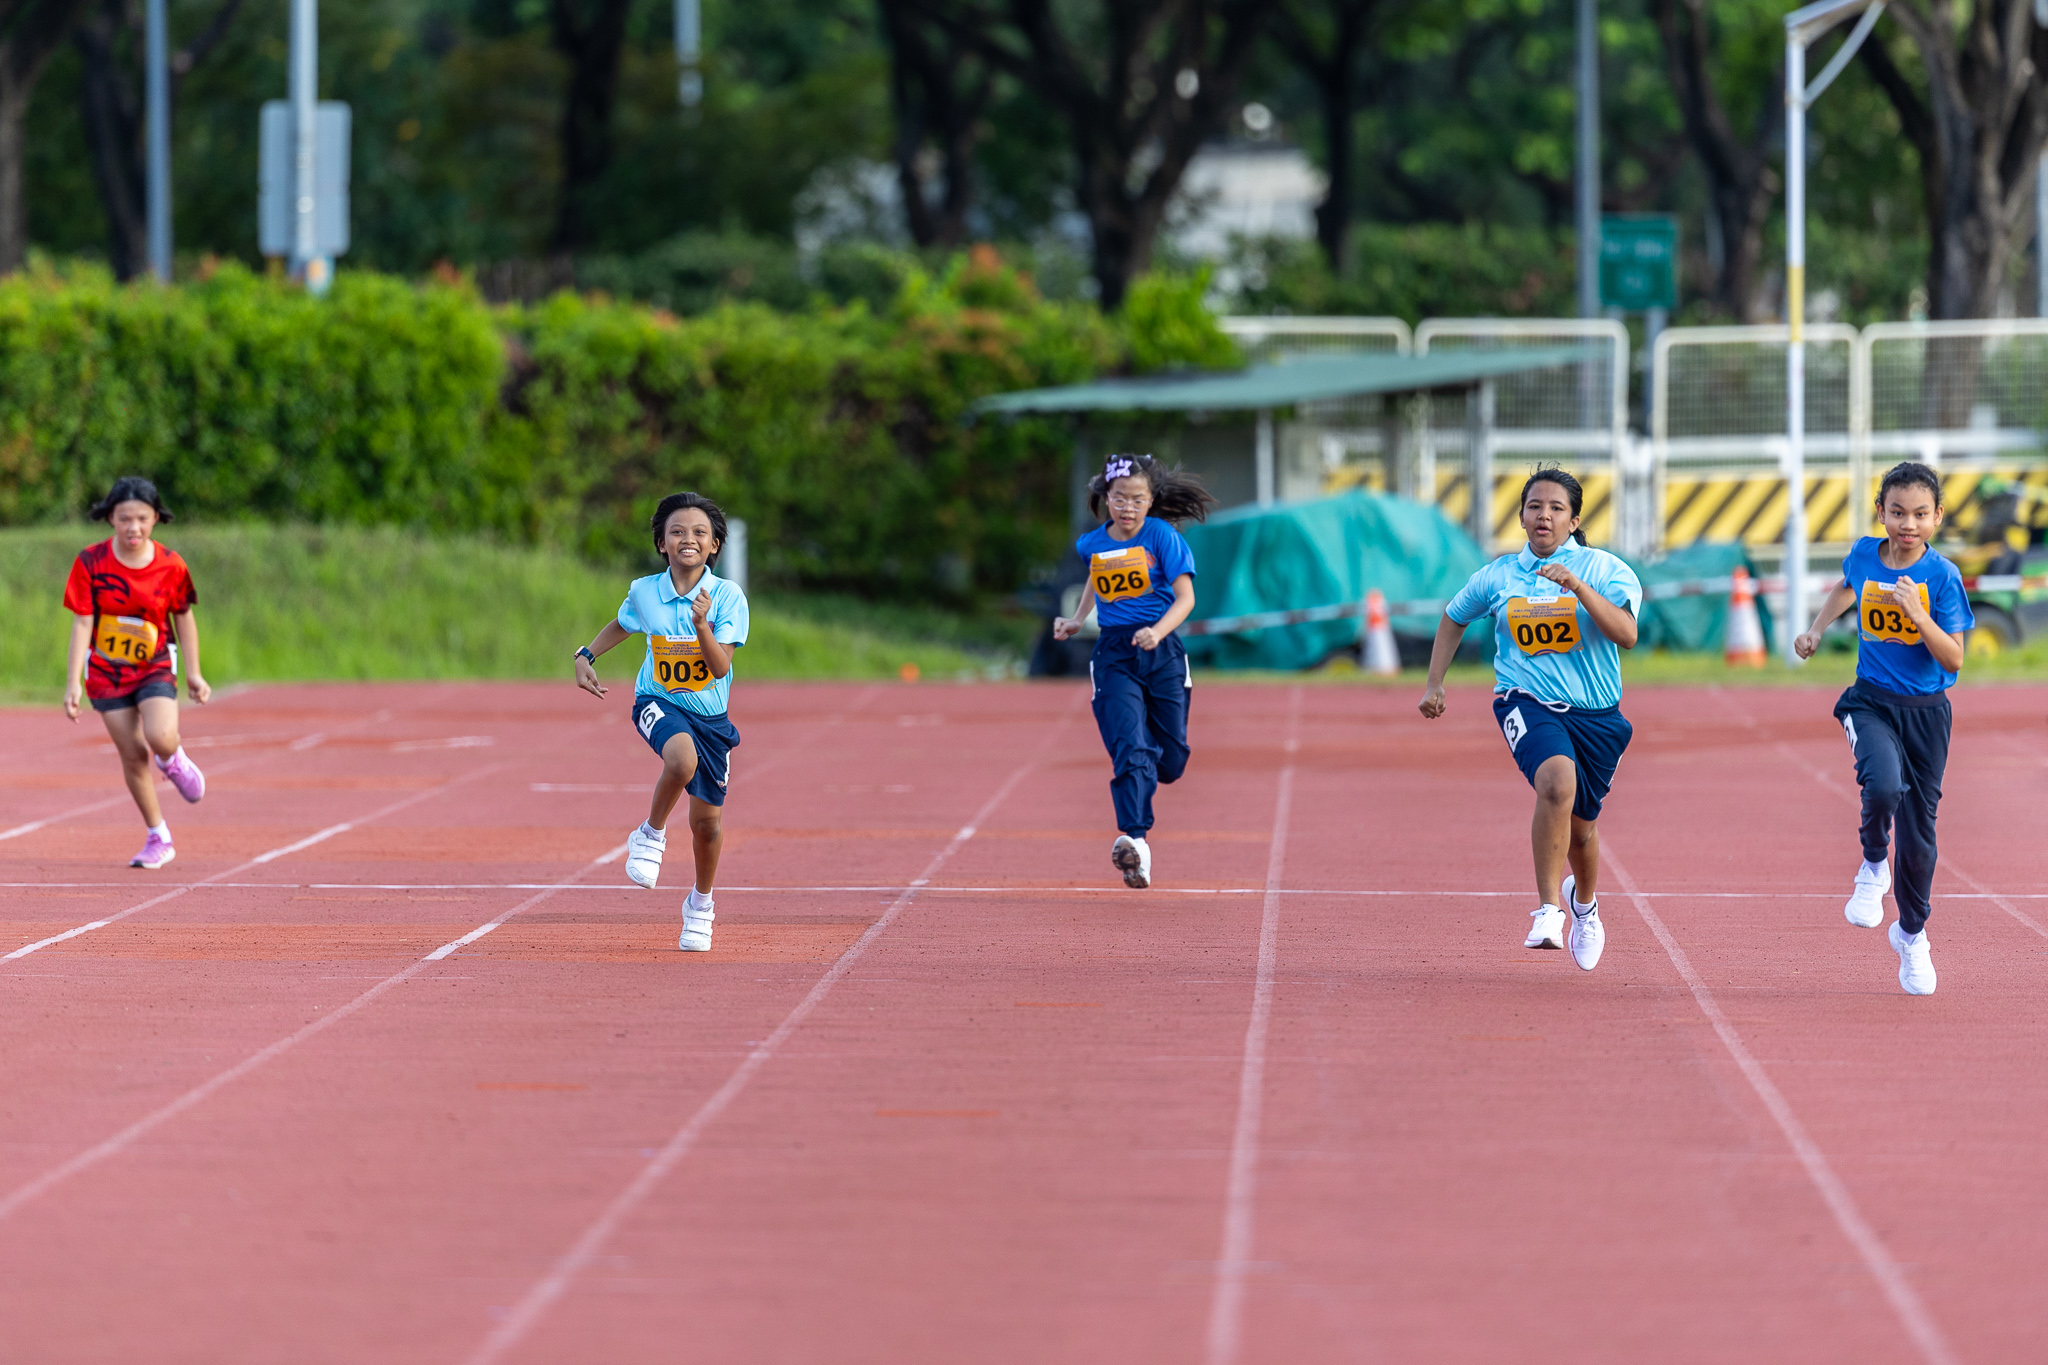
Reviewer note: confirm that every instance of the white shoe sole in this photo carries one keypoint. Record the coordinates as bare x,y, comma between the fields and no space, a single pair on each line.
1131,863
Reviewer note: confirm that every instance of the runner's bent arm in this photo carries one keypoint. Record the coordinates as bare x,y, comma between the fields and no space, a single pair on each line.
717,654
1448,634
1838,600
1616,623
74,669
1066,627
1183,603
611,637
186,627
1947,649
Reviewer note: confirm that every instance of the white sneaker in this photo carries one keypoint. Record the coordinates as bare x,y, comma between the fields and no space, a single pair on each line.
696,936
1548,929
1866,903
1589,935
1916,961
1133,858
643,855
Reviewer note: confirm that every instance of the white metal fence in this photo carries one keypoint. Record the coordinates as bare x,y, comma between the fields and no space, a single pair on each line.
1970,397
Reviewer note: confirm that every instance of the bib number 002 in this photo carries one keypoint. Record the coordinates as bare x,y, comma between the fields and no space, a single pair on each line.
1544,625
679,663
1118,575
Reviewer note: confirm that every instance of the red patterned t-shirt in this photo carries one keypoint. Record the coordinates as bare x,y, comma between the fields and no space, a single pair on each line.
131,612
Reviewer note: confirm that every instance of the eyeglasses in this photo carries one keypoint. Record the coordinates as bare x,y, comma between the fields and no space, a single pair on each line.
1118,500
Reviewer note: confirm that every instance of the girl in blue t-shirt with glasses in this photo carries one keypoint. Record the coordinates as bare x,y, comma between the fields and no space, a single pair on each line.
1911,616
1142,576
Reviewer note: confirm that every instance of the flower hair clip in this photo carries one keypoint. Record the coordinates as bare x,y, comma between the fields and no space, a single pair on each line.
1119,467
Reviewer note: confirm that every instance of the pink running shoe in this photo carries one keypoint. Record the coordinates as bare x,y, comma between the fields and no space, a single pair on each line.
184,775
155,852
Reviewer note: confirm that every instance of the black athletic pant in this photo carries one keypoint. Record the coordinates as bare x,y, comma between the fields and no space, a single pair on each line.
1901,746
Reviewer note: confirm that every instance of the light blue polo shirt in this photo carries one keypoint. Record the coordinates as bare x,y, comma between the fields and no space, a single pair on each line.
654,607
1545,642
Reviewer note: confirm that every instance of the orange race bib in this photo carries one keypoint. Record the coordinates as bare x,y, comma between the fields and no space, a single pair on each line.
1118,575
1544,625
679,663
125,639
1884,619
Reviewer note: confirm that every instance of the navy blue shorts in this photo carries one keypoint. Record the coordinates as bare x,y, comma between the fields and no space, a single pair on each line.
1592,740
659,720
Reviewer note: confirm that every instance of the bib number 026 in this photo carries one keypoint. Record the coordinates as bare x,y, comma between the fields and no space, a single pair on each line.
1120,575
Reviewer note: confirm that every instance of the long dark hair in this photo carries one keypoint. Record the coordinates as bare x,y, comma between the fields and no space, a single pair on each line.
1906,473
130,488
1176,494
1570,485
677,502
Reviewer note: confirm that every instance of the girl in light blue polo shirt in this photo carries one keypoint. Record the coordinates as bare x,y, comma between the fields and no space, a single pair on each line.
694,622
1562,612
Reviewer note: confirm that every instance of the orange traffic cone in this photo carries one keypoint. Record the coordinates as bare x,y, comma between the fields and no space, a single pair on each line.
1743,639
1381,654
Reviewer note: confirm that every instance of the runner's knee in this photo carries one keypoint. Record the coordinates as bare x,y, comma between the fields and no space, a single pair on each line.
1557,781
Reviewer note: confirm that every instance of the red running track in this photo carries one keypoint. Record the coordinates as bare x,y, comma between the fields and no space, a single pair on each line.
945,1092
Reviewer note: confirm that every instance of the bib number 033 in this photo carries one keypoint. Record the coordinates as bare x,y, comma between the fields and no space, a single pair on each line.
1544,625
1118,575
1885,619
679,663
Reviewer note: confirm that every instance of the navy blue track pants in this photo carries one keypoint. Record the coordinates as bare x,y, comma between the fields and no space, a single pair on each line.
1901,746
1141,708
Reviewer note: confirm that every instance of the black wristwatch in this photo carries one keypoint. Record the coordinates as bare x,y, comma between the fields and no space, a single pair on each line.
583,652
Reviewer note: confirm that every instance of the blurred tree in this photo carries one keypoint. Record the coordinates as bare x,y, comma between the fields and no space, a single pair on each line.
30,33
939,94
590,35
1140,85
1326,39
109,41
1978,117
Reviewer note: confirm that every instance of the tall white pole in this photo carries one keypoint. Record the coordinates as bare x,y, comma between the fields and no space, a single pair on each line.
690,81
157,138
1795,349
307,263
1588,221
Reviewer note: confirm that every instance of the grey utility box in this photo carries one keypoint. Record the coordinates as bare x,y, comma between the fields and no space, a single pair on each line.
277,179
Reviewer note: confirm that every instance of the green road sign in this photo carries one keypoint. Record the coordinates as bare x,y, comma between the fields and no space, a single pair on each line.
1638,261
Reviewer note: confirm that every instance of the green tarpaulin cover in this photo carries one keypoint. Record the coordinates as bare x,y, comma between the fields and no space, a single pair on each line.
1331,551
1315,554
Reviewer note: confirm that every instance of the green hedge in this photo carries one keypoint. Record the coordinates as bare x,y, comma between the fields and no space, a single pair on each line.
838,433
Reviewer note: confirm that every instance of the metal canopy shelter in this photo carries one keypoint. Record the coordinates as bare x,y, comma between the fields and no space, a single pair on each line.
1309,379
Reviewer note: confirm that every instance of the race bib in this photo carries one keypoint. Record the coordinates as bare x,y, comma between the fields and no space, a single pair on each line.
679,663
125,639
1884,619
1120,574
1544,625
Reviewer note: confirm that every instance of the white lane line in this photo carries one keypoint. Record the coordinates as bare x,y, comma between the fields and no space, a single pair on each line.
256,861
542,1296
1240,1200
198,1094
218,770
1889,1274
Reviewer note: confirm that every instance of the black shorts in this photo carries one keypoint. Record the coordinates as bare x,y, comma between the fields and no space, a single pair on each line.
157,687
1592,740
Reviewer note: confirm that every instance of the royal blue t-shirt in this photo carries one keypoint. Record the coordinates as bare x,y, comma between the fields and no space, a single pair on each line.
1133,579
1890,653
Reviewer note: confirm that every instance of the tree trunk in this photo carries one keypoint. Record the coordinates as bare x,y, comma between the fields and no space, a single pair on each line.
593,46
1741,183
30,31
113,129
1138,98
1335,72
933,113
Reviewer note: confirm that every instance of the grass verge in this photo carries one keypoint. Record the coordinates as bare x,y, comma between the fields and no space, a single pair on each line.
294,603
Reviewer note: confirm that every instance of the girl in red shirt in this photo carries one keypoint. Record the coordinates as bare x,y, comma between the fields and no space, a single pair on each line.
130,594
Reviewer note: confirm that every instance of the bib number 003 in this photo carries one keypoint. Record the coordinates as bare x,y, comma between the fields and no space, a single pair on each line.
1118,575
679,663
1544,625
